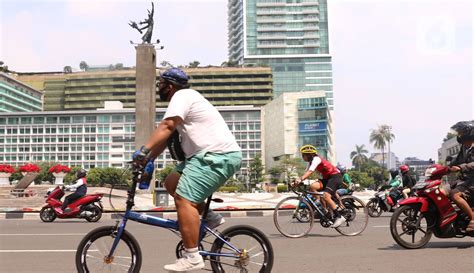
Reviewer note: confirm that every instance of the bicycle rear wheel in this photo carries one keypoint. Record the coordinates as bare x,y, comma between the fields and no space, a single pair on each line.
91,254
256,251
288,214
356,215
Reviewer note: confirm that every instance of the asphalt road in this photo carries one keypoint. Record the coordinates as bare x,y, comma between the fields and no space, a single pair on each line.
34,246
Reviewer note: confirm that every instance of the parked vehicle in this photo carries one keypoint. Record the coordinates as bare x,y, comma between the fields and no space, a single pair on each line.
88,206
429,212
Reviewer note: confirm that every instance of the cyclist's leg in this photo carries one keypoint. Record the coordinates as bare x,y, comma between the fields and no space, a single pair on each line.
189,221
330,190
202,175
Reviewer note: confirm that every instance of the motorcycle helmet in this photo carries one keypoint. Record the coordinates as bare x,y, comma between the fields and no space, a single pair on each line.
393,173
341,168
81,173
464,130
308,149
404,168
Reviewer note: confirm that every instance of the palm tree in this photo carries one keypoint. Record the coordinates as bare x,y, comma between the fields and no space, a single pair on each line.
83,66
380,137
358,156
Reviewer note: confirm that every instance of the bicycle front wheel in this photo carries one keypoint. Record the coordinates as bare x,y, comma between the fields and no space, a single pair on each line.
256,252
356,215
92,252
288,215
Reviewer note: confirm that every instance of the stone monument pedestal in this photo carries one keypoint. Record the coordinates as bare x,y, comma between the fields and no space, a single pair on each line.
145,98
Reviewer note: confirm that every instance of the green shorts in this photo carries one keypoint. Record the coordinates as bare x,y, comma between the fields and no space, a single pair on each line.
204,173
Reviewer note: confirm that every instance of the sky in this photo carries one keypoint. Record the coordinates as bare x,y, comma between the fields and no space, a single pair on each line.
408,64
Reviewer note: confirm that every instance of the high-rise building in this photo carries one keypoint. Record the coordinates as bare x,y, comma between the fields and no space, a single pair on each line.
290,36
16,96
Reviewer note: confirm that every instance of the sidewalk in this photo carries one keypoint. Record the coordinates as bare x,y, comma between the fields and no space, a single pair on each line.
144,200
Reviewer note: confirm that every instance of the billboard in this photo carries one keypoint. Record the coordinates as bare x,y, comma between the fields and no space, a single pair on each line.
311,126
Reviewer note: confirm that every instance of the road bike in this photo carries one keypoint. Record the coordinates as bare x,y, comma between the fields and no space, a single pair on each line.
239,248
294,216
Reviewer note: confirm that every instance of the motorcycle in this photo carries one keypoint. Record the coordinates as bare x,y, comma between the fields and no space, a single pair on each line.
88,206
384,202
429,212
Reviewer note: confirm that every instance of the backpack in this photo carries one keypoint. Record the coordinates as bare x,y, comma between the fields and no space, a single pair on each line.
174,146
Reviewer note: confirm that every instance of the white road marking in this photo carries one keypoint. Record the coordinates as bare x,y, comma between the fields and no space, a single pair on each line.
386,226
37,250
42,234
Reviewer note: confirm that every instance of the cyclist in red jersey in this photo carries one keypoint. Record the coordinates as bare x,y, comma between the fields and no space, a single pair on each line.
332,179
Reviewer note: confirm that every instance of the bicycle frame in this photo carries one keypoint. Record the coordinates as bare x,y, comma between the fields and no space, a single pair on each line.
168,224
313,204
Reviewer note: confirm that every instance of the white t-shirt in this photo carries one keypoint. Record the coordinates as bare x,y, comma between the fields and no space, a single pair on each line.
203,128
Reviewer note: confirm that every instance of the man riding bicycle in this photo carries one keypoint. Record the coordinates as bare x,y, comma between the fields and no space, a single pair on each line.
211,156
332,179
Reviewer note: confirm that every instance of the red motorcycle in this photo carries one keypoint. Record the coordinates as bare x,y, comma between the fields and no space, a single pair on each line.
429,212
88,206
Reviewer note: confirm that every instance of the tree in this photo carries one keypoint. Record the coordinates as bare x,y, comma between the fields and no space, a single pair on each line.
449,135
118,66
358,156
275,174
163,173
380,137
255,171
291,167
3,67
229,63
83,66
67,69
361,178
194,64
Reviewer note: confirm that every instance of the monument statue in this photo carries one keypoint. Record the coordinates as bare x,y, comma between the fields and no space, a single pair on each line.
148,25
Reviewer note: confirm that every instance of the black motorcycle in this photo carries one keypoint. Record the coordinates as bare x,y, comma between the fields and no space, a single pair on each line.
382,202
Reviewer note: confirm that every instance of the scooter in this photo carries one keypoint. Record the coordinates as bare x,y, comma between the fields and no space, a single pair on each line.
384,202
88,207
429,212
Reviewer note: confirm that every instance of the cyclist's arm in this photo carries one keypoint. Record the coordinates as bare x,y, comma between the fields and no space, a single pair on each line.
314,164
157,141
306,175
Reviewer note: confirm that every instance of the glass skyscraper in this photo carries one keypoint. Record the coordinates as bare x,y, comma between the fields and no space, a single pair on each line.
290,36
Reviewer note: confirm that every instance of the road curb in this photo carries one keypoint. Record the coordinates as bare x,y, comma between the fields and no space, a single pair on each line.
20,215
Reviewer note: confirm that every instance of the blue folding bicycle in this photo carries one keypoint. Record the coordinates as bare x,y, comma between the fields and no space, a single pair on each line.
113,249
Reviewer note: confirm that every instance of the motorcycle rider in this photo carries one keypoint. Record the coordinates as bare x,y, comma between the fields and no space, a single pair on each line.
393,184
80,188
331,181
407,180
464,162
346,181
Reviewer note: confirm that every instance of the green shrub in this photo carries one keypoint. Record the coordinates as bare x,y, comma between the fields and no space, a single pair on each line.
282,188
228,189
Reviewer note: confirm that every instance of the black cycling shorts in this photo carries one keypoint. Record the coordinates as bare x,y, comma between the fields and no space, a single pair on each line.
333,183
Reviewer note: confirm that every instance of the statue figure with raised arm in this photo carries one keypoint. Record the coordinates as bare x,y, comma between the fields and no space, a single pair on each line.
148,25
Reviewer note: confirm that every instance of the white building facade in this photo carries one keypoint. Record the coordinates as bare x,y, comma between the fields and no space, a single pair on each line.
102,138
295,119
